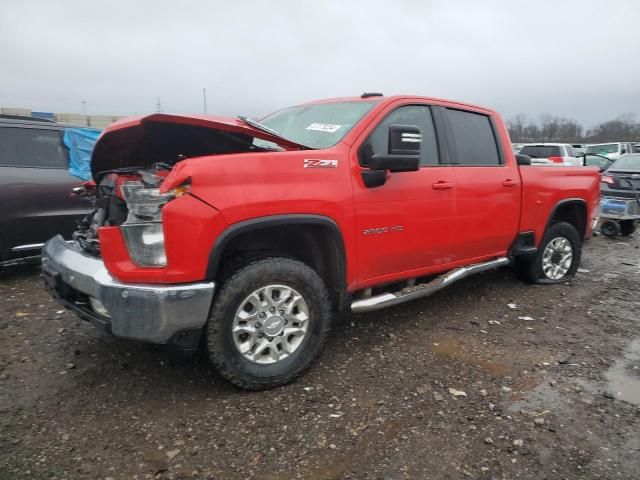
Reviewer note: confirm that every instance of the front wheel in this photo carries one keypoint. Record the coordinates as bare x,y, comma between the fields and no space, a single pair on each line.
268,323
558,256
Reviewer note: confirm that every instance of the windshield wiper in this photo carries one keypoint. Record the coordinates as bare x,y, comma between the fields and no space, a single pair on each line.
259,126
265,129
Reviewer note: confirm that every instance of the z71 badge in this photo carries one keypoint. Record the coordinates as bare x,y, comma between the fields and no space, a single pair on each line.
319,163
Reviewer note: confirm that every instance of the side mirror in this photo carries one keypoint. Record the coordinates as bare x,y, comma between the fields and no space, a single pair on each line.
523,159
404,150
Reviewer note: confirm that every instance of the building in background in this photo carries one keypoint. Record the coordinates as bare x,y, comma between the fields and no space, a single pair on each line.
93,121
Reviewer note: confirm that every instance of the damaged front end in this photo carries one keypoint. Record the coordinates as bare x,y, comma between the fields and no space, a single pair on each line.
129,199
129,164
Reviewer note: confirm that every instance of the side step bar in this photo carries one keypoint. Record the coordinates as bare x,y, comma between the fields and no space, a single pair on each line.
411,293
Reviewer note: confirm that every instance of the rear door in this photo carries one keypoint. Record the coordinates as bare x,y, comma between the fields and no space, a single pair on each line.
35,188
488,188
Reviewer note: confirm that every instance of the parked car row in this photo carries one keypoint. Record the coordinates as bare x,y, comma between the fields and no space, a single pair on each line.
564,154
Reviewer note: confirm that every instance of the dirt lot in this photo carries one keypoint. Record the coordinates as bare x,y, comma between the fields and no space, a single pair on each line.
459,385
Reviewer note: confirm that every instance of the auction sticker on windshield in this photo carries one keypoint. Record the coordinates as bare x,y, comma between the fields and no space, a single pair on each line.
324,127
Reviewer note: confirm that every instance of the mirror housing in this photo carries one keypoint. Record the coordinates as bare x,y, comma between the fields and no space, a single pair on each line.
404,140
395,163
403,148
523,159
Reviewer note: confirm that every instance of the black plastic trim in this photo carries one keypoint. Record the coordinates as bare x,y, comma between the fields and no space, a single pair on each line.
524,244
570,201
236,229
374,178
442,135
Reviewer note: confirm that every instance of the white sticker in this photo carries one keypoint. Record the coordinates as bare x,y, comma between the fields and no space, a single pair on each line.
324,127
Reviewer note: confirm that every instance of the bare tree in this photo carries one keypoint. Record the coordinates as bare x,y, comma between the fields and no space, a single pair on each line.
552,128
516,127
549,126
623,128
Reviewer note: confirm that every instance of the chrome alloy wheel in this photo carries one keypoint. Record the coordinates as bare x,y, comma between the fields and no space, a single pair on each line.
270,324
557,258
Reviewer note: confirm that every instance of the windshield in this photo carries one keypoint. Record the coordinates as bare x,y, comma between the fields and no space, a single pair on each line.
603,149
626,163
319,125
541,151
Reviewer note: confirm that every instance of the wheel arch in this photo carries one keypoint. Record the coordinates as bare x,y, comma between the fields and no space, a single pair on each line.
573,211
313,239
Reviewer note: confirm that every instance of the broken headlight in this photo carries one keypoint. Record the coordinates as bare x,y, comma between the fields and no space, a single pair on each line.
142,231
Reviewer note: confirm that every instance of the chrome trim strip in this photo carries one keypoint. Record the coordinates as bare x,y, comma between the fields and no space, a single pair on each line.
389,299
30,246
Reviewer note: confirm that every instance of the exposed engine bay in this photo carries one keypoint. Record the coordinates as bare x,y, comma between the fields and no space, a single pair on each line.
113,197
131,160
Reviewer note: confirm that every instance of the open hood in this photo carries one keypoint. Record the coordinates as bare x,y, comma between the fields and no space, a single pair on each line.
143,141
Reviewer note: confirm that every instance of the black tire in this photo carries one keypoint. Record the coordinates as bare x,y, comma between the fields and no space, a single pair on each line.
627,227
222,351
531,269
610,228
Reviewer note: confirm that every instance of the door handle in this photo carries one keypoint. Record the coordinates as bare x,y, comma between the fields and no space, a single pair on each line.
442,185
510,183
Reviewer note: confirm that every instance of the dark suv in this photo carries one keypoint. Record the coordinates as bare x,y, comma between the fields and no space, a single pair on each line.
35,186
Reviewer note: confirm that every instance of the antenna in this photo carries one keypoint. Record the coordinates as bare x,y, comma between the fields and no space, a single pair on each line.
204,100
158,105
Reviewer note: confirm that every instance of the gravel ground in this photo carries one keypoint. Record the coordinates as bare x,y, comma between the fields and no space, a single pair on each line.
489,379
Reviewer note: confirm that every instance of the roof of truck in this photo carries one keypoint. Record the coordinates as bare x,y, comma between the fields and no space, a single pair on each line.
391,98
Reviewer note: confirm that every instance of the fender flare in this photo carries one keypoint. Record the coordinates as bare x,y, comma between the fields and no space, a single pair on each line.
569,201
236,229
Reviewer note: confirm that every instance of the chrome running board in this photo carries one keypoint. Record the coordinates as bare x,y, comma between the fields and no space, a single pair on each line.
422,290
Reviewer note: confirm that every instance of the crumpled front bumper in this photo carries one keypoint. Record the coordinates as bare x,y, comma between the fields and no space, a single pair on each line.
151,313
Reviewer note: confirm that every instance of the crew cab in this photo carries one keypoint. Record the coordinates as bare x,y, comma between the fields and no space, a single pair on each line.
244,237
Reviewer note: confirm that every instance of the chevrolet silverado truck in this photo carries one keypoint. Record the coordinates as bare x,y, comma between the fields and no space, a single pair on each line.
244,237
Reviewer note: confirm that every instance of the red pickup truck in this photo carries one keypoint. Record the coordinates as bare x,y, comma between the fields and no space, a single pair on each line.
244,236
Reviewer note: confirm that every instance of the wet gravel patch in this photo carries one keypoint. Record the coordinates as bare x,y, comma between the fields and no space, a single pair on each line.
490,378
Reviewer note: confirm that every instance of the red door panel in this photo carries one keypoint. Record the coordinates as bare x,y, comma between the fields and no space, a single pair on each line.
405,224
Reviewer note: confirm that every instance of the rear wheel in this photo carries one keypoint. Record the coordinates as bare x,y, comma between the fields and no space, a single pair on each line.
610,228
268,323
627,227
558,256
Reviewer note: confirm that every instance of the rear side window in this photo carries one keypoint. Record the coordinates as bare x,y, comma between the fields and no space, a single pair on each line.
570,152
32,147
473,137
541,151
417,115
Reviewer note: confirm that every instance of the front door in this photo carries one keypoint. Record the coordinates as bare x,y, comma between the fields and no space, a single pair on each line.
405,225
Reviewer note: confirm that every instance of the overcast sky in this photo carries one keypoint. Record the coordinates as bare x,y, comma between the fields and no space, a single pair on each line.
578,59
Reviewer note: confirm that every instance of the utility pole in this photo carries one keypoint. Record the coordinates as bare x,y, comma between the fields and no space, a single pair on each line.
158,105
204,100
84,107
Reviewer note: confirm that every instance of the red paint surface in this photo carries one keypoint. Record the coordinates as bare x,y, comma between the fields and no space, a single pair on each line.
450,215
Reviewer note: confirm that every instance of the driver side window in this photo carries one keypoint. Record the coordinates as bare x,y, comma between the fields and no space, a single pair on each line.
417,115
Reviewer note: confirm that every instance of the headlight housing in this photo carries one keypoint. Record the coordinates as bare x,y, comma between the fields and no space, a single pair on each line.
142,230
145,242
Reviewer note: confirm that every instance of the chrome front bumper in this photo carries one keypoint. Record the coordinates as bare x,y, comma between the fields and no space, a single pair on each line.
151,313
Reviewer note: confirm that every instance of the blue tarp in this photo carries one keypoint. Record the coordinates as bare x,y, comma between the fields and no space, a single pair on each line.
80,142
